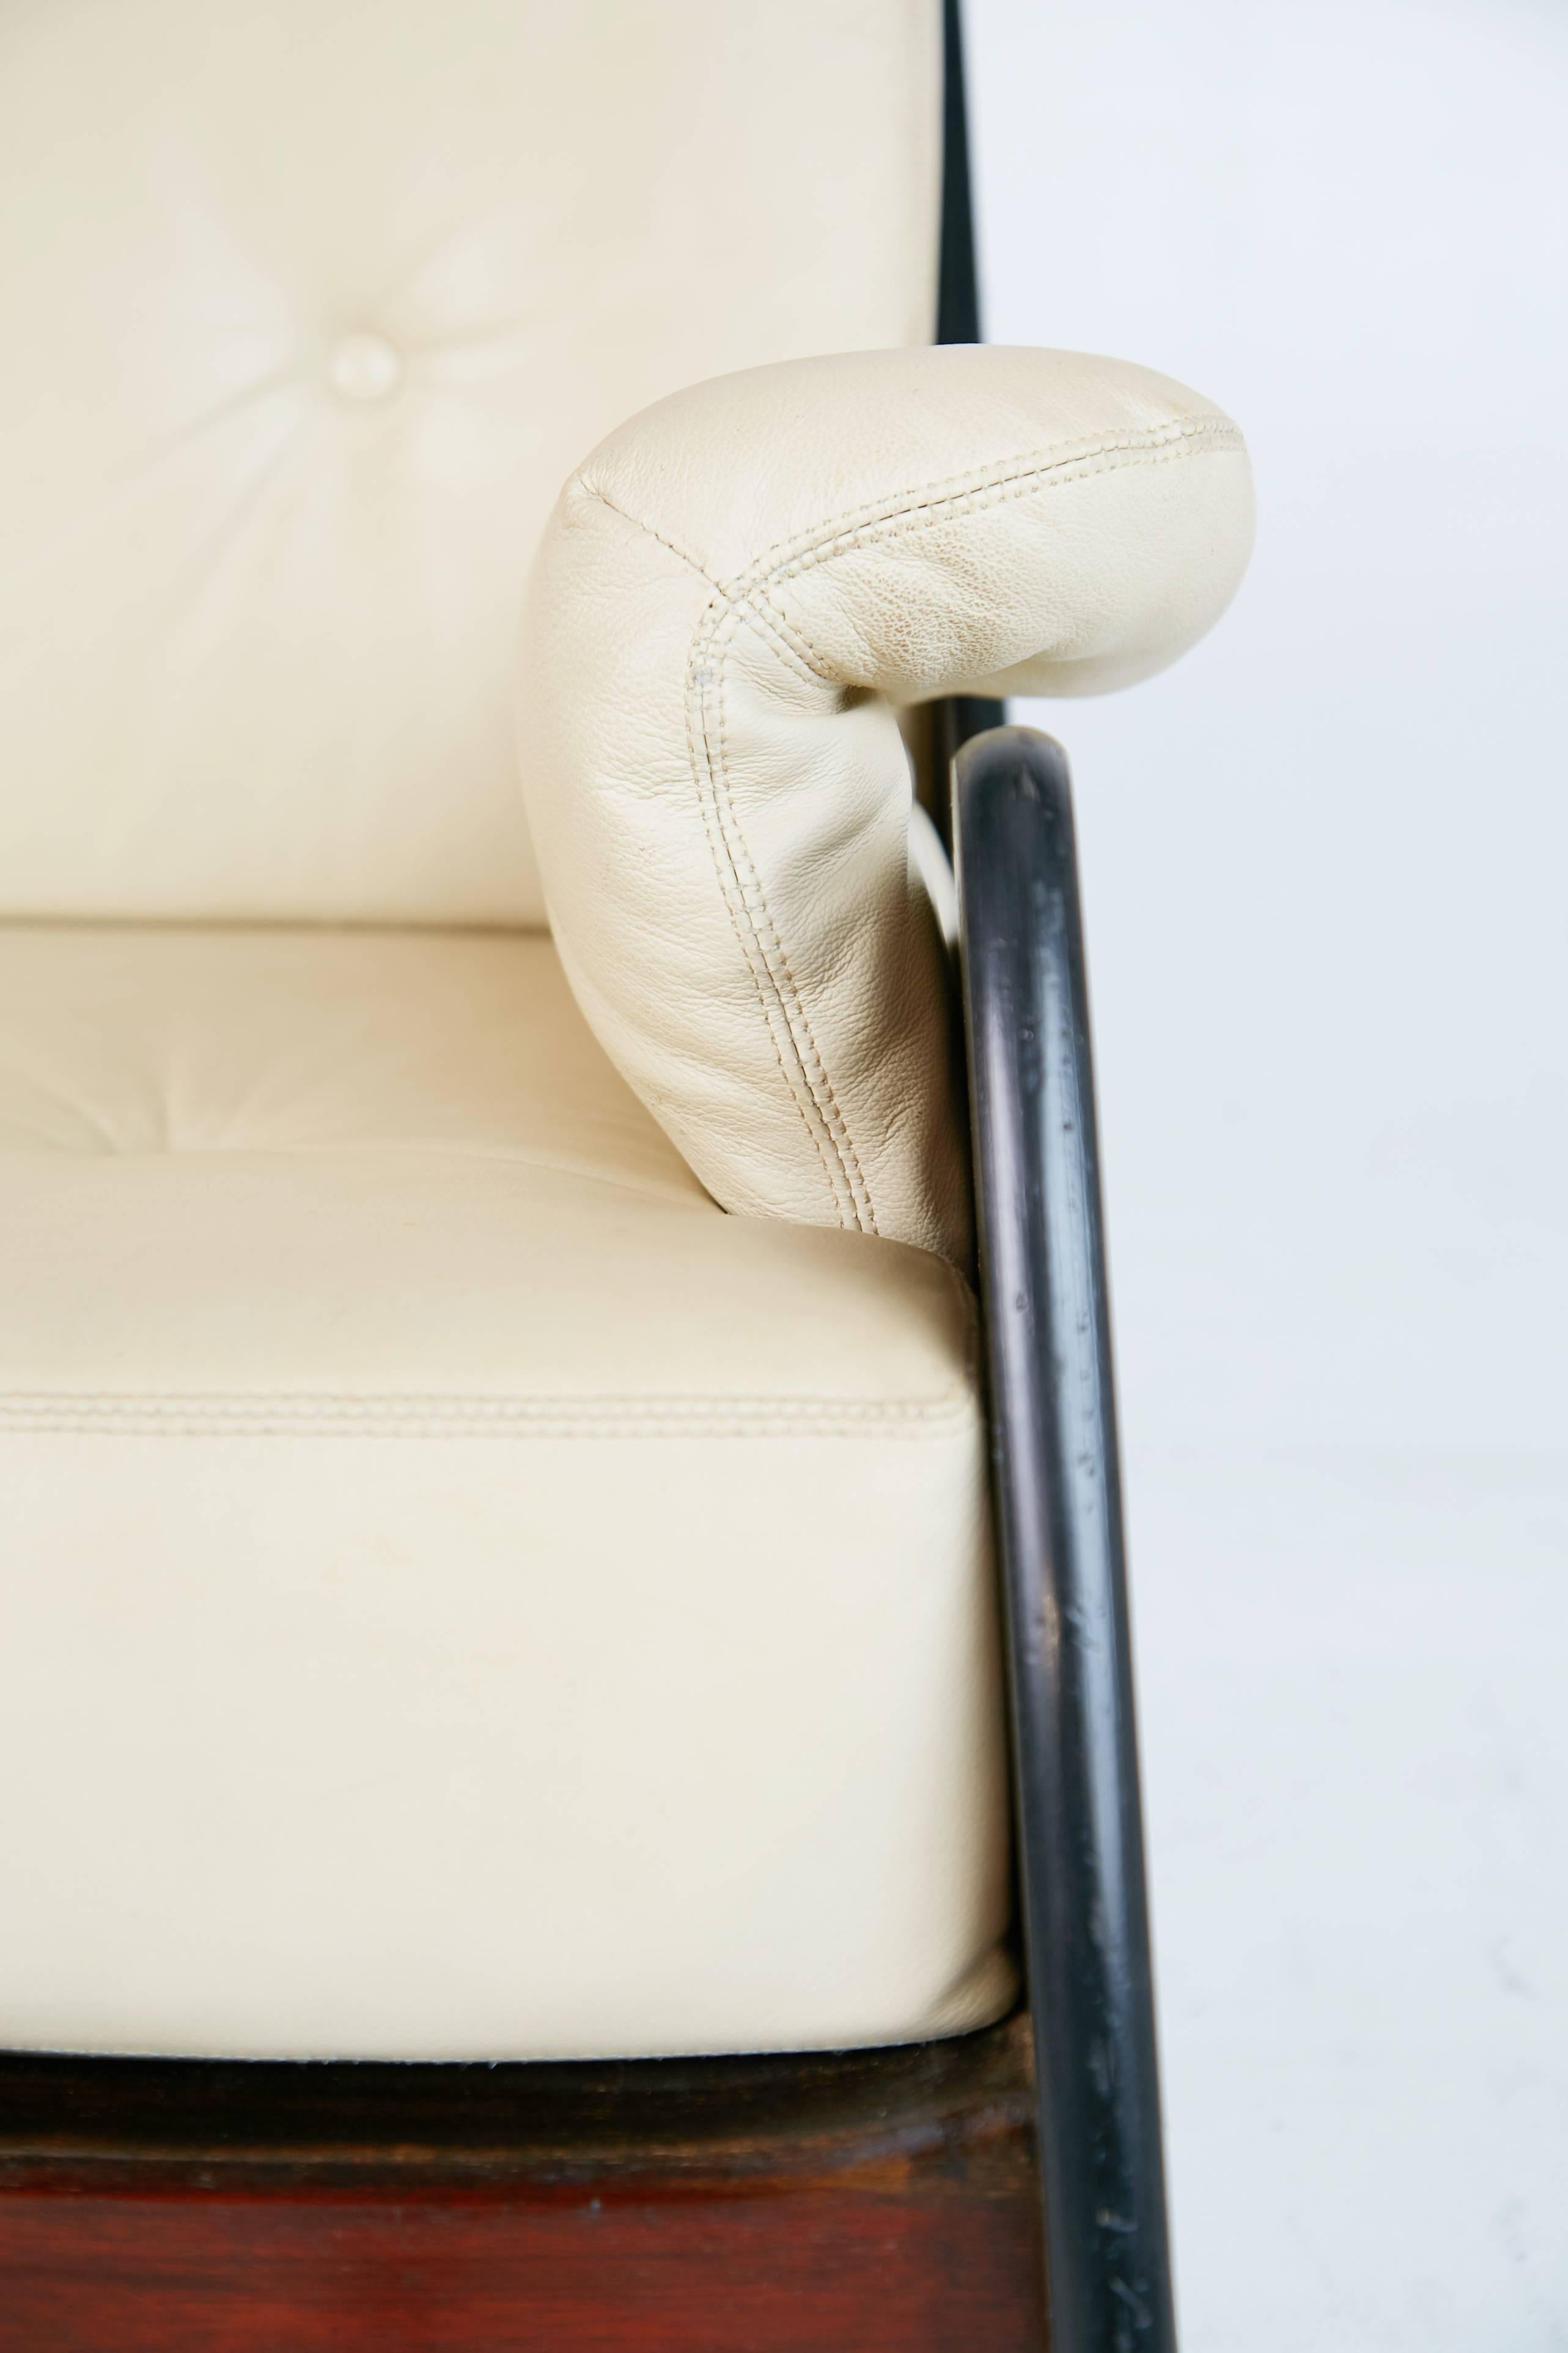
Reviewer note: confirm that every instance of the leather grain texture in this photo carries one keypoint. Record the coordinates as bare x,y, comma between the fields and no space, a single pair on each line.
308,309
463,1596
736,590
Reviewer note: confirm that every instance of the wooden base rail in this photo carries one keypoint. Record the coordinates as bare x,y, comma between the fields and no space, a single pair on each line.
871,2202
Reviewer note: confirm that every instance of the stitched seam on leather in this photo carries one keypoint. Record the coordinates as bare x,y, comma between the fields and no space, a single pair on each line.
776,634
728,849
581,482
1214,432
940,486
797,1020
847,1158
719,848
797,652
734,898
422,1416
1065,470
762,622
907,520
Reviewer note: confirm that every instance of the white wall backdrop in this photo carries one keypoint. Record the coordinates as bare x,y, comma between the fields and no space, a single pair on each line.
1327,883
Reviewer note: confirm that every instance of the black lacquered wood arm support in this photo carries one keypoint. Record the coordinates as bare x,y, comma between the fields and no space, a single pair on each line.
1059,1518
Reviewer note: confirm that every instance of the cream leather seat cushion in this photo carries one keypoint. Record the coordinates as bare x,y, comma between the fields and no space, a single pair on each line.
462,1593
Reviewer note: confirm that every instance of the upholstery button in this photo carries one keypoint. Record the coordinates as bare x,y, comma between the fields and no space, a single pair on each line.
365,368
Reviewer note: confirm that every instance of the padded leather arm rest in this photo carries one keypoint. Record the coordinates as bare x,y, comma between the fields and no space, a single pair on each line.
733,592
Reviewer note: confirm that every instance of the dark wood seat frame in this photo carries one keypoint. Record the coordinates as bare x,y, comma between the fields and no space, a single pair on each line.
993,2194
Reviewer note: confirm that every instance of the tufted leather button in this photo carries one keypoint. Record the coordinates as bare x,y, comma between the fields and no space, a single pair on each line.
365,368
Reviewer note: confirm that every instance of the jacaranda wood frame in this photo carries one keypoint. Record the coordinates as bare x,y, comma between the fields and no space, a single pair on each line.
1079,1829
880,2202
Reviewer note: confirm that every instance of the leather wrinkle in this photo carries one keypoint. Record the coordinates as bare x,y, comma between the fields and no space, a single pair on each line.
41,1140
131,476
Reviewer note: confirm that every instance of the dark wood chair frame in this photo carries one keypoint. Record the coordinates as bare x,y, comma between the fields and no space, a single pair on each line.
1002,2192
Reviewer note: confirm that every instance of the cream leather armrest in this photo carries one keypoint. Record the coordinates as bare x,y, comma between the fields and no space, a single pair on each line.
733,593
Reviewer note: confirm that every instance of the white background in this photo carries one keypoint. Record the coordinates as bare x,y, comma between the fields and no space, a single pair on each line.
1326,864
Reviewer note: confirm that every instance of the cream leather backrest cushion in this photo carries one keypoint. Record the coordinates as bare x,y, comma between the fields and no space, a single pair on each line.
309,308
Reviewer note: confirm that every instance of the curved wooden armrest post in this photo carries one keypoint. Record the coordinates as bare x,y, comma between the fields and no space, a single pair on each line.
1043,1280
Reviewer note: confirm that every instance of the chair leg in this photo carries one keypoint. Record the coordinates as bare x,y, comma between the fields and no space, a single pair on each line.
1043,1282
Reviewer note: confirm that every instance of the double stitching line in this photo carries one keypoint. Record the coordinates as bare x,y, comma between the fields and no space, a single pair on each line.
788,1022
123,1414
728,855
